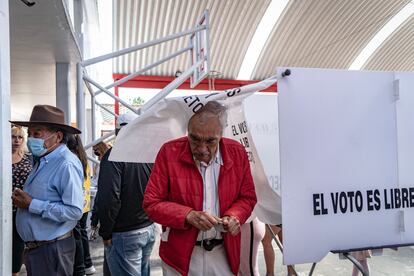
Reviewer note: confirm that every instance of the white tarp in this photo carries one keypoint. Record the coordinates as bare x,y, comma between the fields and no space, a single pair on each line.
262,120
346,161
140,140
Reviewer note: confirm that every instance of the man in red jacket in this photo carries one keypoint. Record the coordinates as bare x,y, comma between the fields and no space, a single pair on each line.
201,190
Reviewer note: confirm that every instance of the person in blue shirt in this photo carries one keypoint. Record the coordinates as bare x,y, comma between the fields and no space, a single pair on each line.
51,201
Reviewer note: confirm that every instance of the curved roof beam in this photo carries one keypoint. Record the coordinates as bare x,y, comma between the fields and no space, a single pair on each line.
382,35
265,27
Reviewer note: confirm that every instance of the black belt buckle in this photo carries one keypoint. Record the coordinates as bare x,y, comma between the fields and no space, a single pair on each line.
208,245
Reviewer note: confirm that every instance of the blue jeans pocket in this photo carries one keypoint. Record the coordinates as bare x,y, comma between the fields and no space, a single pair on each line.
130,252
133,245
137,243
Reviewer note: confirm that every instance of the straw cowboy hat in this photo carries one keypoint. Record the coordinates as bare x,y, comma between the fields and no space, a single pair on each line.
50,116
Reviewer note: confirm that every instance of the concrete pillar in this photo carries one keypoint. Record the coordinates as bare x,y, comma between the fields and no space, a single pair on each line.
63,89
5,144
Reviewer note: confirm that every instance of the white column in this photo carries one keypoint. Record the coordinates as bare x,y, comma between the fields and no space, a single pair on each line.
80,103
62,89
80,96
5,144
78,23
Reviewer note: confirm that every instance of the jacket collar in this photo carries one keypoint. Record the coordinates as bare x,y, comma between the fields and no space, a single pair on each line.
186,156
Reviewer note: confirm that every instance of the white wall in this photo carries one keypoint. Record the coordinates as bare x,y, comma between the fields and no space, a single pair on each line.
5,144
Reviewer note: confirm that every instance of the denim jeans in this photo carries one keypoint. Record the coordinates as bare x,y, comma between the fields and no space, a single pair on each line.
130,252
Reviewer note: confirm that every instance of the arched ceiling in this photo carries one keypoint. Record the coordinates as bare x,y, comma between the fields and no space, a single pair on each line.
397,52
309,33
232,24
323,34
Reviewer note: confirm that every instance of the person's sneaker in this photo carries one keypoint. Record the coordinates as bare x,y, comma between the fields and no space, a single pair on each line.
90,270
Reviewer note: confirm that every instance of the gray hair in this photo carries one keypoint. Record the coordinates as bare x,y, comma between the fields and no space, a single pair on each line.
212,109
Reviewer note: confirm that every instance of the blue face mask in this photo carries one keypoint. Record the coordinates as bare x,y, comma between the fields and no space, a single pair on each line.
37,146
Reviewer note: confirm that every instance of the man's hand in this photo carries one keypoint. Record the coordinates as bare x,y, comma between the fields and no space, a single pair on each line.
201,220
107,242
231,225
21,199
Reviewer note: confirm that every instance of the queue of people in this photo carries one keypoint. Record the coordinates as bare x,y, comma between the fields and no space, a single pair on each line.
200,190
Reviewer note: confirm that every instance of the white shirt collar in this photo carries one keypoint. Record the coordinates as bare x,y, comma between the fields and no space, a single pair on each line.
216,159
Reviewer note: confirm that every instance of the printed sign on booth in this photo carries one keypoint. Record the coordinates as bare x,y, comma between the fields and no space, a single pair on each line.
346,157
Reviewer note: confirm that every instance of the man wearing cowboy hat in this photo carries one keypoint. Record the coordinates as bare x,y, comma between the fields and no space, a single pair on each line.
51,202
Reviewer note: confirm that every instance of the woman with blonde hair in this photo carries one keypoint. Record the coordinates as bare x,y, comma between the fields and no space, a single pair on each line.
21,168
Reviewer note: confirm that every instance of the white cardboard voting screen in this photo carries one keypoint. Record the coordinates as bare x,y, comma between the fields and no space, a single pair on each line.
346,161
260,110
262,119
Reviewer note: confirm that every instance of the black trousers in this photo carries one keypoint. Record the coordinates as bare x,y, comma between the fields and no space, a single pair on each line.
82,255
51,259
18,248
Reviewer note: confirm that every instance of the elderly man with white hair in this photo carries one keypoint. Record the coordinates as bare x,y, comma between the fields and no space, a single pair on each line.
201,191
127,232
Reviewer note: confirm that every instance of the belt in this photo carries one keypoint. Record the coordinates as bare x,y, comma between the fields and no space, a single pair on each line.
35,244
208,245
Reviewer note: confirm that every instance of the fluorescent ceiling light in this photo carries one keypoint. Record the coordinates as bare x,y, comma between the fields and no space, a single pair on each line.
382,35
269,19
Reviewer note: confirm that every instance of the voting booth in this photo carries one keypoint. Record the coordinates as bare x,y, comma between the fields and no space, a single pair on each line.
346,161
337,145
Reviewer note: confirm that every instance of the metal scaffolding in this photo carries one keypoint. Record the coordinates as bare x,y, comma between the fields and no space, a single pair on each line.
198,50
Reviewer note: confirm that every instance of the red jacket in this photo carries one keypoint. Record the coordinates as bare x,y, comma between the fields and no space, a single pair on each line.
175,188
